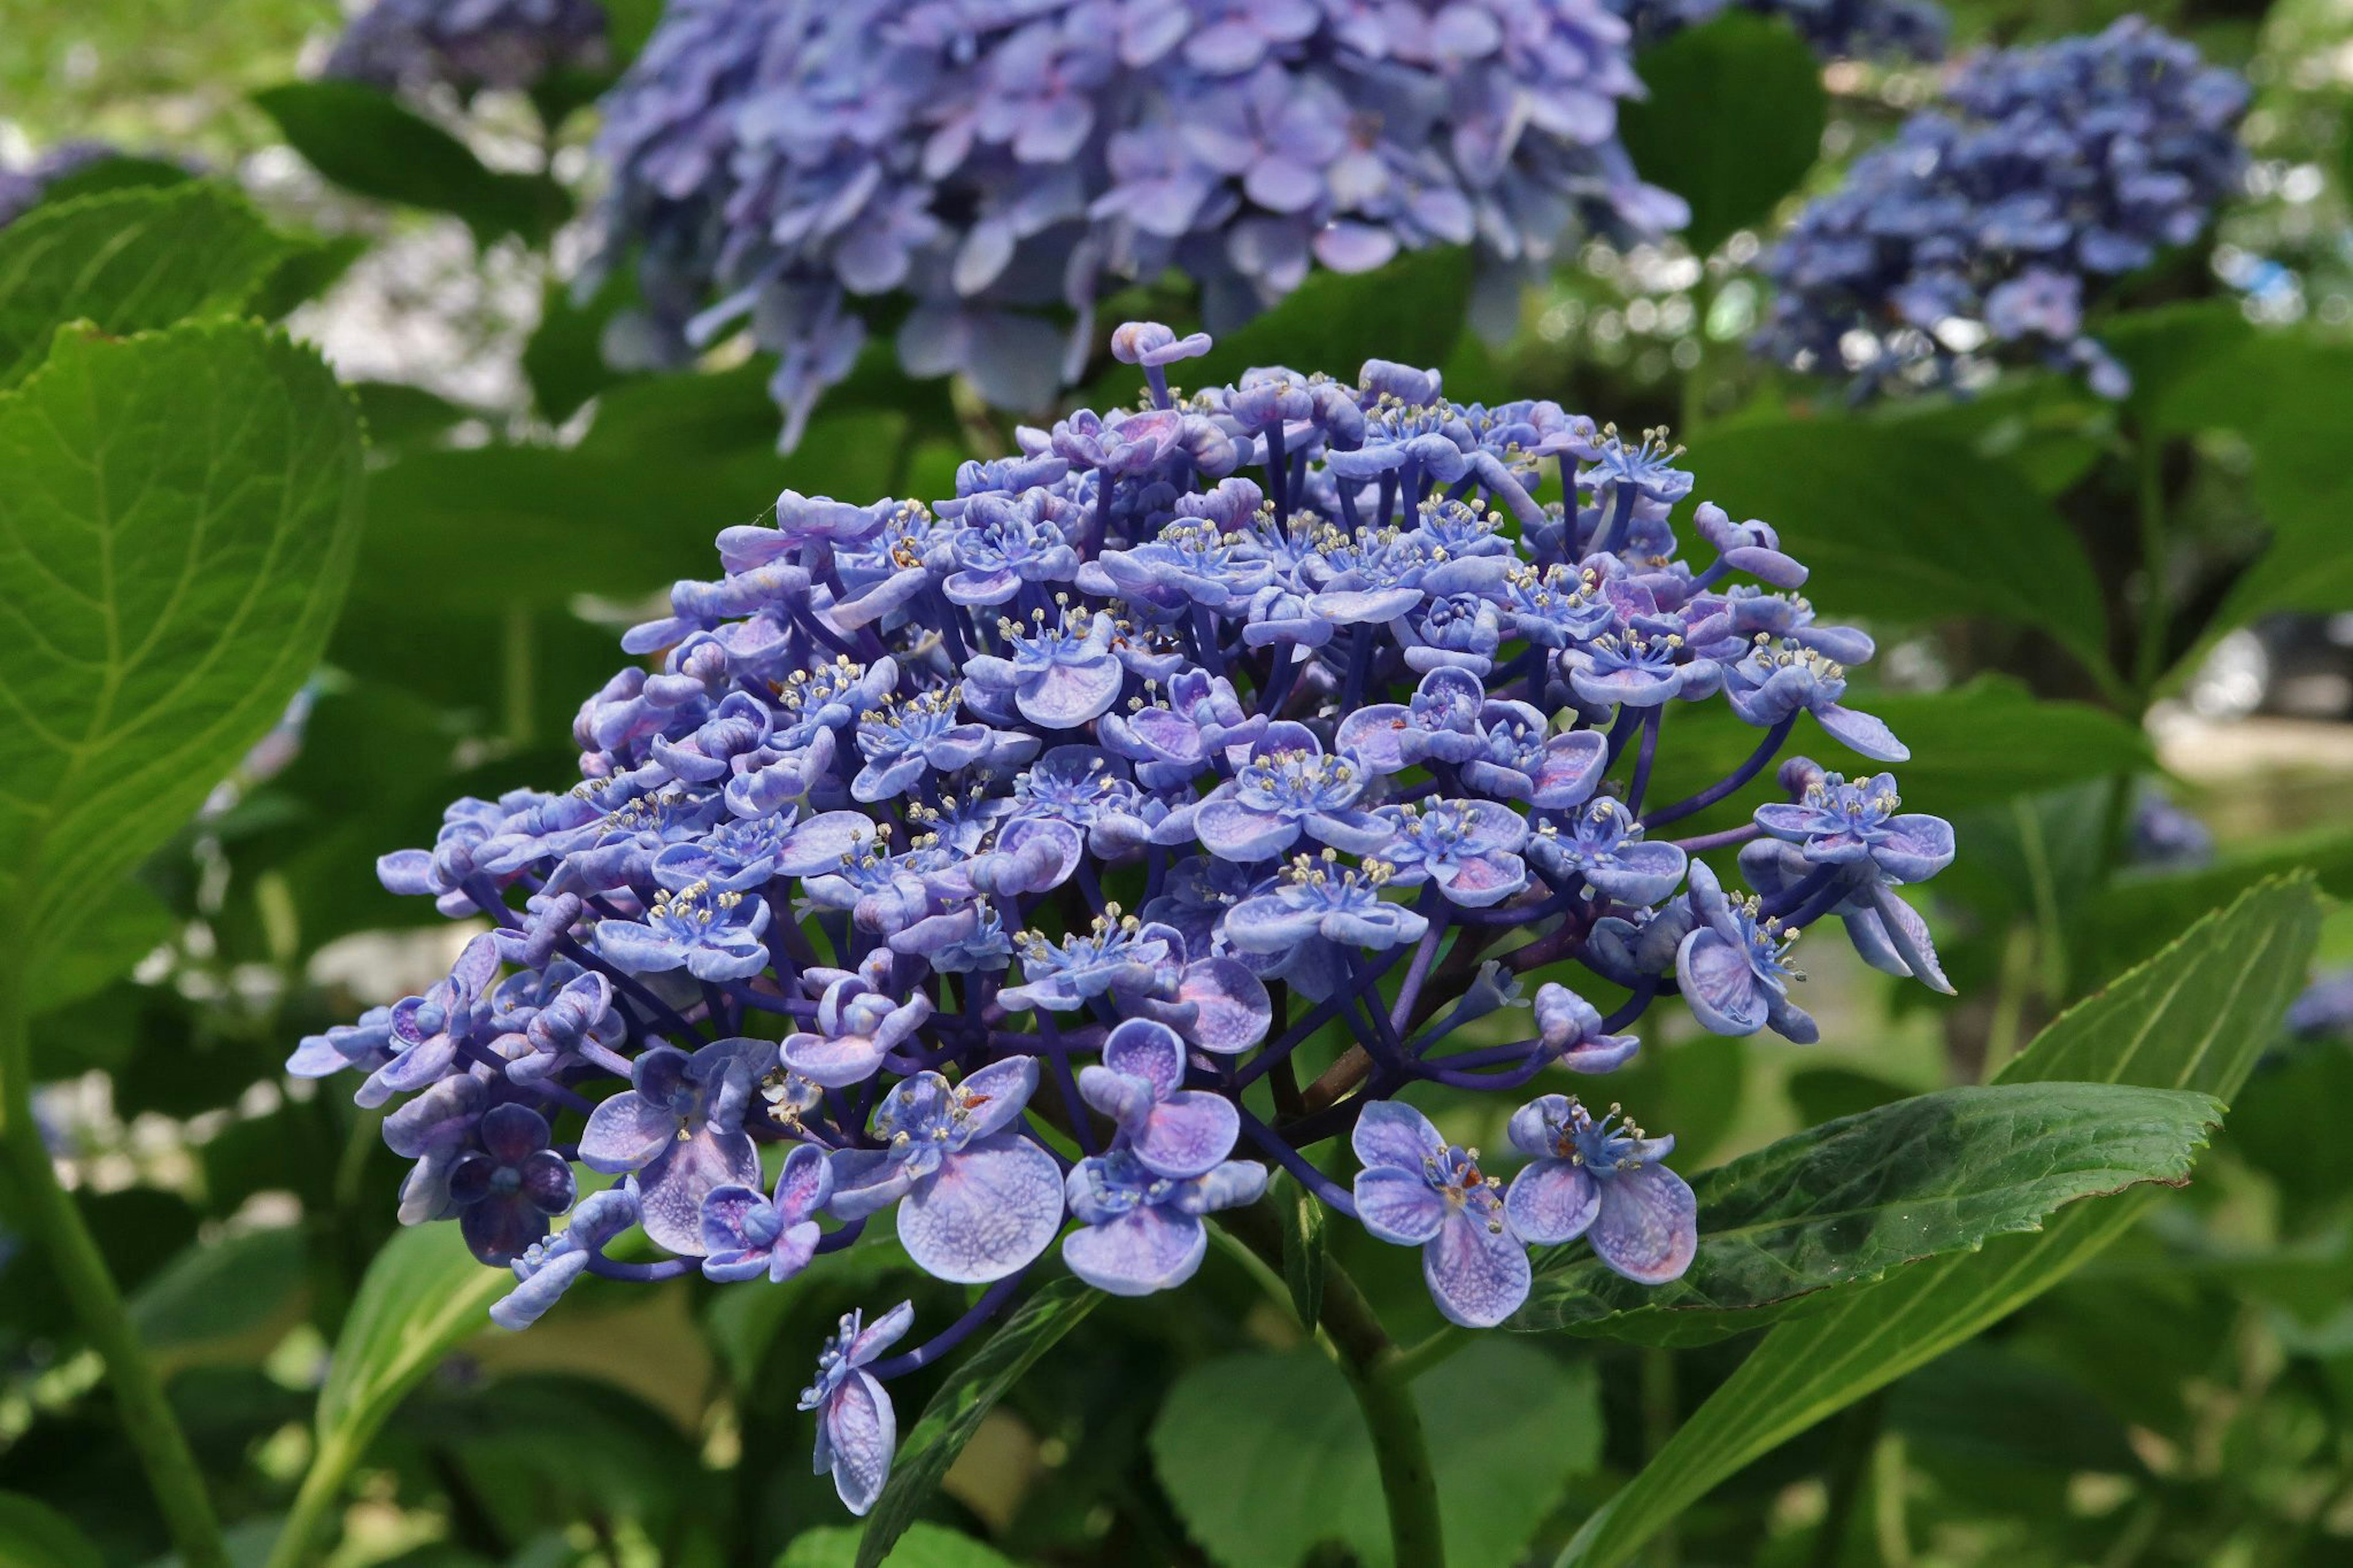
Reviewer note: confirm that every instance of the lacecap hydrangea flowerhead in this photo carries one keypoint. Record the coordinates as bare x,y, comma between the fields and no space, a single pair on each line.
1984,231
987,862
469,45
996,162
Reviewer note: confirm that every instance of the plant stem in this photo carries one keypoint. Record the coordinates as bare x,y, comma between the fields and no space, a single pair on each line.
1381,1377
1416,1359
1660,1411
147,1418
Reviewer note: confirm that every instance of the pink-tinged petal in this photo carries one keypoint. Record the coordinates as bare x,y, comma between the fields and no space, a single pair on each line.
1392,1133
1552,1201
1907,933
1125,1098
1188,1134
1718,986
730,1265
1602,1053
1487,880
1570,765
833,1064
1145,1250
882,1334
626,1134
1143,1049
1647,1227
865,1181
861,1434
793,1251
671,1191
1862,732
1234,1010
1232,831
986,1213
1398,1207
1374,736
1477,1271
804,1184
997,1093
723,1209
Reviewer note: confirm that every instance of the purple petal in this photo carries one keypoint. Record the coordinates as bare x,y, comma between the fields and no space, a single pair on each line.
834,1064
1068,695
1907,933
817,845
626,1134
1187,1133
671,1191
500,1230
998,1093
805,1184
1391,1132
1552,1201
1570,765
986,1213
1718,984
723,1208
866,1181
510,1131
1232,831
1147,1249
1647,1227
1477,1272
1862,732
1151,1051
1234,1010
860,1434
1398,1206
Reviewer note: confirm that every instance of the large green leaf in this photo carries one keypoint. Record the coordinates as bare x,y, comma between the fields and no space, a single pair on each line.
957,1411
176,533
2131,917
127,261
126,925
1900,525
2195,1018
1838,1205
228,1299
35,1535
368,143
424,1296
1733,121
1265,1455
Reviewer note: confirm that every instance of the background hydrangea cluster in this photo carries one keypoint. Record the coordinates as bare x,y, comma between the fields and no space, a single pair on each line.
996,856
1992,222
469,45
1837,29
997,161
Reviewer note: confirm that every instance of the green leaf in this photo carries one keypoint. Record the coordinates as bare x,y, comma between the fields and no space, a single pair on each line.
365,141
127,923
957,1411
2194,1018
398,414
35,1535
924,1546
175,533
1839,1206
128,262
1733,121
2131,917
2045,744
118,173
423,1295
1903,526
2171,349
228,1299
1265,1455
1303,1219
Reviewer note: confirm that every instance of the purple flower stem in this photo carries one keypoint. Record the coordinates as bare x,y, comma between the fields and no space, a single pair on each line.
1766,749
1723,841
1643,758
1278,472
481,1056
1621,514
846,1236
1335,1197
1514,1078
992,1301
762,1002
1486,1057
1634,1006
604,1268
1059,1059
1425,953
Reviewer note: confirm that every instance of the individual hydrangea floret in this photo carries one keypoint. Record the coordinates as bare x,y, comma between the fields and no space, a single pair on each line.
1989,228
996,162
883,901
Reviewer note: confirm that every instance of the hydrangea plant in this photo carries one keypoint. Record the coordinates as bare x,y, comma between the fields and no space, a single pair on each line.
1987,225
995,861
999,161
469,45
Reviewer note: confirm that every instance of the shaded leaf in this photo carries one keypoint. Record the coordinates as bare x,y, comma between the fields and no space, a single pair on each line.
35,1535
126,924
2132,916
1265,1455
368,143
231,1298
1902,525
1840,1205
175,533
1733,121
957,1411
127,261
924,1546
2193,1019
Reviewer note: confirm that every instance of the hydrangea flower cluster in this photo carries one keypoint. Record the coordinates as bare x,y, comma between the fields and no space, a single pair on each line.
997,160
1987,226
469,45
999,863
1836,29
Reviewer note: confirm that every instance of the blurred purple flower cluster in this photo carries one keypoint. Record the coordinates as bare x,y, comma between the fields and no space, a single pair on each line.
1834,29
469,45
997,863
999,161
1988,224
